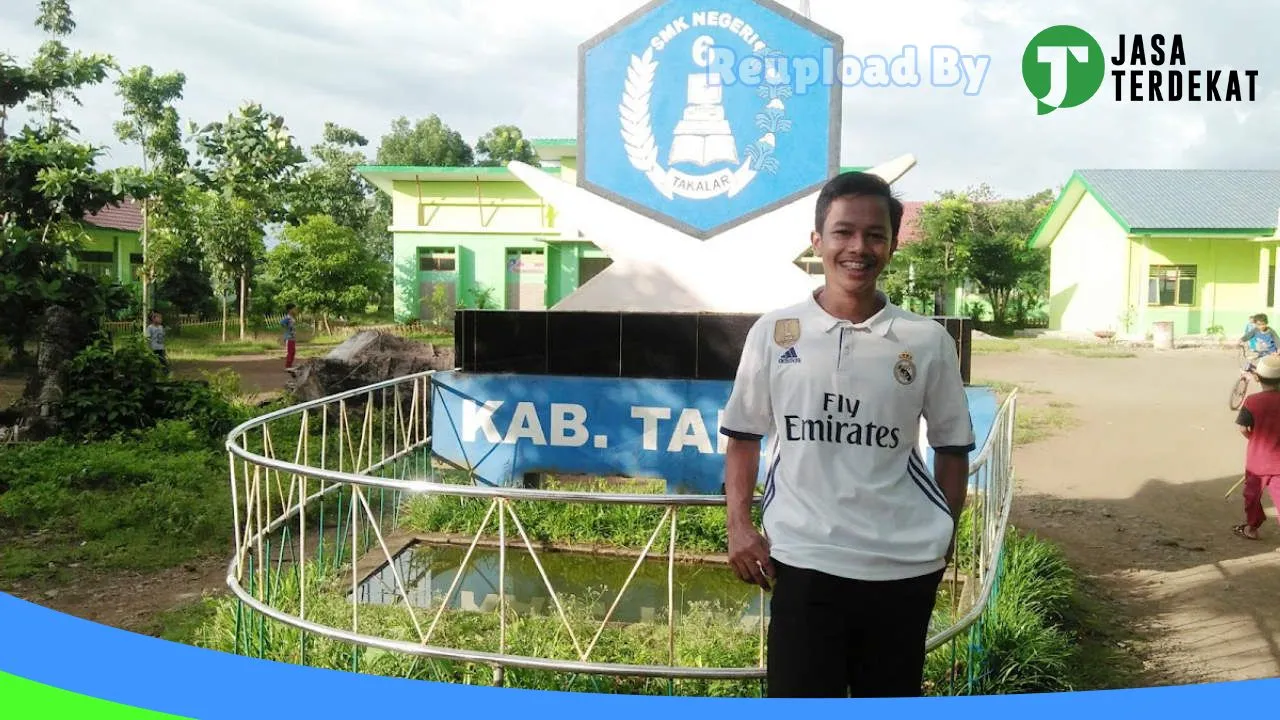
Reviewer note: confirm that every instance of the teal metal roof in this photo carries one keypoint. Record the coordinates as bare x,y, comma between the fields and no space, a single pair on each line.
1189,199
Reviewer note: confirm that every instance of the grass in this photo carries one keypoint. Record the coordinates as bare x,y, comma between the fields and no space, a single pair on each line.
1041,634
996,345
701,529
1076,348
1036,423
183,623
148,502
1083,349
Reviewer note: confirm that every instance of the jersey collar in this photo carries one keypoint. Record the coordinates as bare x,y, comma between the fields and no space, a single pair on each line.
880,323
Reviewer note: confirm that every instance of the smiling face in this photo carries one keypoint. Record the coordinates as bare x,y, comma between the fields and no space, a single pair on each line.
855,244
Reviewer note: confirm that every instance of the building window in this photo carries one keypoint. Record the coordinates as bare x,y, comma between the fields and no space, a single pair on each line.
437,260
1171,285
98,263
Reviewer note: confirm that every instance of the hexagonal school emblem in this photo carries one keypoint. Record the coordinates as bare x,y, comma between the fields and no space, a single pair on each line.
704,115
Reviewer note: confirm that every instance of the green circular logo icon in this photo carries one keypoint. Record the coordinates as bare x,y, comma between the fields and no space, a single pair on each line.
1063,66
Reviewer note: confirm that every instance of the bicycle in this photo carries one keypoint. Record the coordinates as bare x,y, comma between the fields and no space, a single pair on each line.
1240,390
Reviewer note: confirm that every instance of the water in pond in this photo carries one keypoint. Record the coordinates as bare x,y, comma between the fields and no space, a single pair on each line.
428,571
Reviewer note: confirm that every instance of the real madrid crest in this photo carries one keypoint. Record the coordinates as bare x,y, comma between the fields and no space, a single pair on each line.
904,371
786,332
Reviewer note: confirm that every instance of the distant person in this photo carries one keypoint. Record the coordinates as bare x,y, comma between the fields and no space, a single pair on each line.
1261,338
290,334
1259,421
155,339
859,531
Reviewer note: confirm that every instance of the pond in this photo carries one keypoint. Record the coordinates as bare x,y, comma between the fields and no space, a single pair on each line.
429,570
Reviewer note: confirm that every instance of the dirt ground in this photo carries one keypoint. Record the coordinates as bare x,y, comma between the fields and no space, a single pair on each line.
1132,488
1134,493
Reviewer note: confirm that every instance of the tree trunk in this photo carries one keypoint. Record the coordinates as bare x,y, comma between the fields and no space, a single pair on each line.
244,304
146,230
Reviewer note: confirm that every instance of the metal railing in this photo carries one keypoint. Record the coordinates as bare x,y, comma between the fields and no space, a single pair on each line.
366,452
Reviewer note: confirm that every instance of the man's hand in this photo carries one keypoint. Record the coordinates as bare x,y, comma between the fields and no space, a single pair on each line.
749,555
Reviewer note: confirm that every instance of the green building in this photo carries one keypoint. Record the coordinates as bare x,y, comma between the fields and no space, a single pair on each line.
478,237
1130,248
113,244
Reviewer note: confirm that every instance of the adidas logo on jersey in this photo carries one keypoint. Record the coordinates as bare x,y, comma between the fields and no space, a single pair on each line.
789,356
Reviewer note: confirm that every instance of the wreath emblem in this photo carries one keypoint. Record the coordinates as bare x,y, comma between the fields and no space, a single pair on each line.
642,149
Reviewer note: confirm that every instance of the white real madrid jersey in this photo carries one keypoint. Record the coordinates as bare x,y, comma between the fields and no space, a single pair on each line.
847,491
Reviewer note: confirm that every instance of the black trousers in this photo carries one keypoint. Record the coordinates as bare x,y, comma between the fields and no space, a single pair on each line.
835,637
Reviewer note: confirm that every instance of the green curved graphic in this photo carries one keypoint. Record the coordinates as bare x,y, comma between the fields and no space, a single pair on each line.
21,699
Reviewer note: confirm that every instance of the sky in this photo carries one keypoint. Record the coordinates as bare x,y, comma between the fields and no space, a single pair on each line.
479,63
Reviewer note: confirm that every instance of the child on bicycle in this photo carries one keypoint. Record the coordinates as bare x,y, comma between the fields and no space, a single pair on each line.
1259,421
1261,338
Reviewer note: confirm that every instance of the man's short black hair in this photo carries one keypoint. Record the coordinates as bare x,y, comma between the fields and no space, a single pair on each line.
854,184
289,307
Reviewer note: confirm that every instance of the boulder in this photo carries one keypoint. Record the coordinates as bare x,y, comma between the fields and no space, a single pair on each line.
366,358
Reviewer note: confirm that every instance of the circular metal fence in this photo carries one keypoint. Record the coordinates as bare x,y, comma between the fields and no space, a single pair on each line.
329,494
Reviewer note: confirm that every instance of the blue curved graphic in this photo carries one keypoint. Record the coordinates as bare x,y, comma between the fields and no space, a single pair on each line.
102,662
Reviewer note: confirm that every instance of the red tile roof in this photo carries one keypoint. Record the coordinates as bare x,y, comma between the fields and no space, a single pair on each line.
910,230
126,216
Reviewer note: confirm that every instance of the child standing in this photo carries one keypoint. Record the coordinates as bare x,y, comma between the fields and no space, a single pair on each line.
289,336
1259,421
155,339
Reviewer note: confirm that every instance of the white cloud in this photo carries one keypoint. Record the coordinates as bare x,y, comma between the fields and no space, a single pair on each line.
478,64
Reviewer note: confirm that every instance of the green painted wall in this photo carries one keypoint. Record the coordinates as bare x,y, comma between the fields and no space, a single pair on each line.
478,220
120,243
1231,282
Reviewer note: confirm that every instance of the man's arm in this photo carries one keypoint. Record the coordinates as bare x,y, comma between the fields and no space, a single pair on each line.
741,468
950,427
747,418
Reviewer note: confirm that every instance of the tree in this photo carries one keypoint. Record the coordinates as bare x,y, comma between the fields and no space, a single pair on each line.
428,142
231,239
48,183
504,144
324,267
249,161
923,270
330,185
57,71
151,121
999,260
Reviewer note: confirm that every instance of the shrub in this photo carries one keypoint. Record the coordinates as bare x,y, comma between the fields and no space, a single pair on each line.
110,391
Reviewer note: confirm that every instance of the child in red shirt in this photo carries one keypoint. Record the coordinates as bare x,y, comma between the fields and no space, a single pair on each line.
1259,421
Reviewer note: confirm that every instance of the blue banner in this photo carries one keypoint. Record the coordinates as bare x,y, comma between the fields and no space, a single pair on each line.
503,426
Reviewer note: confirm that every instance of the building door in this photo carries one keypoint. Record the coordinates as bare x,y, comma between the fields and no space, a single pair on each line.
437,285
526,280
591,267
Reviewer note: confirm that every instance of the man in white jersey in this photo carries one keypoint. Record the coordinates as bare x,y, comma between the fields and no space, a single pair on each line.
859,531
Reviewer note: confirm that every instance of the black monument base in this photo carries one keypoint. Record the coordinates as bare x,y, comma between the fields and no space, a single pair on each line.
669,346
